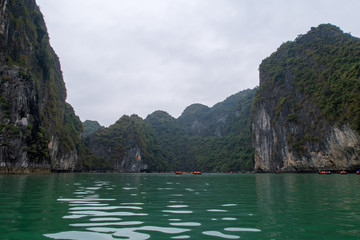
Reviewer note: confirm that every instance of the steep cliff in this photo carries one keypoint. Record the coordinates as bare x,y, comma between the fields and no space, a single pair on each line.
306,113
38,129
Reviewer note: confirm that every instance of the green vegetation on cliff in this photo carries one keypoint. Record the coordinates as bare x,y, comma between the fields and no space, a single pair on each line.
44,129
171,137
220,137
28,61
216,139
90,127
326,65
129,141
307,110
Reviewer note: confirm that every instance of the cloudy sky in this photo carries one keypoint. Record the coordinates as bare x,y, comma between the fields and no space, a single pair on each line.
137,56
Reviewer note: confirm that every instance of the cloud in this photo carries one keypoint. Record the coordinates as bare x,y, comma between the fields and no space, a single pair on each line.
123,57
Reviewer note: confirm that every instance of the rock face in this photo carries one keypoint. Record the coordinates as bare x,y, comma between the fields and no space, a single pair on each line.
20,122
132,161
38,129
305,116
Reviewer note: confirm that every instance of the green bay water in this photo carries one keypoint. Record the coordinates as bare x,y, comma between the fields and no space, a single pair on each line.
169,206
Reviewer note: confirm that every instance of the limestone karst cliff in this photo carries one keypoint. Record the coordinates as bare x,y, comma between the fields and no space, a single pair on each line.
306,113
39,131
211,139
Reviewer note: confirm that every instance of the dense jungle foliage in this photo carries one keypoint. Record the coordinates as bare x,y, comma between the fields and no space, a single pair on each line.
90,127
216,139
106,148
325,63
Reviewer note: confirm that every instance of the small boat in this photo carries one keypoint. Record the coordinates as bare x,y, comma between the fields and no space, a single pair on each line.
178,172
324,172
196,172
358,172
343,172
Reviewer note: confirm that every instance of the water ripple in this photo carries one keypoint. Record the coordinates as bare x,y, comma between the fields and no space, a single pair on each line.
216,210
80,235
181,237
131,233
103,214
186,224
177,211
178,206
229,205
74,216
83,202
219,234
105,219
175,219
84,199
236,229
105,208
106,224
132,204
89,204
93,188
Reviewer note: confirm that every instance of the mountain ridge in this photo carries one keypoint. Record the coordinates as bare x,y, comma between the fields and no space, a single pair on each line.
304,116
187,142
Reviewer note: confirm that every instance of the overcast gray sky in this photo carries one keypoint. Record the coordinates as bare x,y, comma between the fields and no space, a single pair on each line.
137,56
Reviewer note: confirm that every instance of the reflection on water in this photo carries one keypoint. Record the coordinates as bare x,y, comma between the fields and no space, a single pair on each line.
156,208
165,206
221,235
308,206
